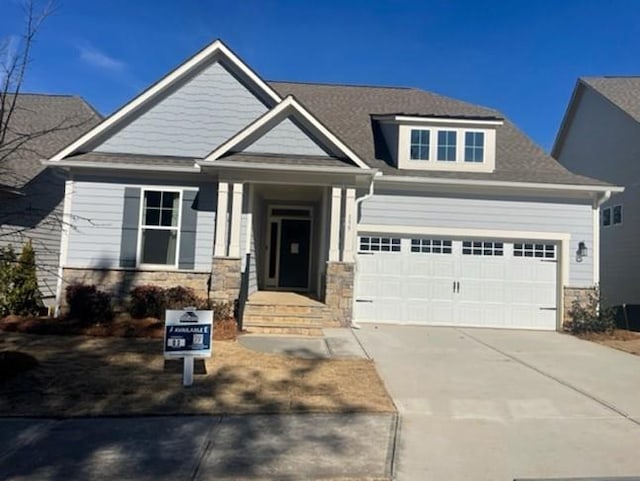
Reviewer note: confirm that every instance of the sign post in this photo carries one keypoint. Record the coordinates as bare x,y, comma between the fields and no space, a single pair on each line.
187,334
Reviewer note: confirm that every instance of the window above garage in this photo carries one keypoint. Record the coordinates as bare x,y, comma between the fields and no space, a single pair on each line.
445,144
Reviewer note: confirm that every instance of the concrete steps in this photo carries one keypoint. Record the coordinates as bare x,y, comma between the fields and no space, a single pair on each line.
286,313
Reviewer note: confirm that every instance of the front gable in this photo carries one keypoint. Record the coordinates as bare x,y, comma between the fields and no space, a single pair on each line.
285,138
192,119
288,129
186,113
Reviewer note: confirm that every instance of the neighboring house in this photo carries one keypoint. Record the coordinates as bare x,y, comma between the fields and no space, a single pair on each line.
30,195
387,204
600,136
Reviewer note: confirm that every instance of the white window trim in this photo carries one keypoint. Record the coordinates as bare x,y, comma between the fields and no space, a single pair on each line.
139,263
459,165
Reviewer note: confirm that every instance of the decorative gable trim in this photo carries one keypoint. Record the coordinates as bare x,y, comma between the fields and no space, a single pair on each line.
288,107
217,48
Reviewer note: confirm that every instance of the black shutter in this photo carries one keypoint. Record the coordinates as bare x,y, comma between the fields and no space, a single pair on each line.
130,223
188,228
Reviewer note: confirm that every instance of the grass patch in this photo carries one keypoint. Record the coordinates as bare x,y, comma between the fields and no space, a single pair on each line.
85,376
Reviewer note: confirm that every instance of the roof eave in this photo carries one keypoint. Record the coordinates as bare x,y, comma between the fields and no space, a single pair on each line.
121,166
529,186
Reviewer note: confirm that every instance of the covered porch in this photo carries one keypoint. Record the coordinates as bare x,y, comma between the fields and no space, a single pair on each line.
288,230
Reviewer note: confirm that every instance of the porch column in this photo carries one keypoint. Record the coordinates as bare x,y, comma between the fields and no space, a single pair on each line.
236,221
334,223
349,225
220,247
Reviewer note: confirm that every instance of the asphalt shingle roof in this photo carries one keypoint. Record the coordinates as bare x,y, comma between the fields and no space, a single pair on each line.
622,91
347,110
51,122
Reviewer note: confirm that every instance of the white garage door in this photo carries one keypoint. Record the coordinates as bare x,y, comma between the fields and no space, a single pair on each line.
449,282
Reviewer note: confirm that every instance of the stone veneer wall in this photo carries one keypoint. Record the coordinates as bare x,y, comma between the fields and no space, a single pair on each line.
339,291
225,278
119,282
575,293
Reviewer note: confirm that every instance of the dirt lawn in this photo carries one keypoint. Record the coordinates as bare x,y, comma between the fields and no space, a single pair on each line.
84,376
627,341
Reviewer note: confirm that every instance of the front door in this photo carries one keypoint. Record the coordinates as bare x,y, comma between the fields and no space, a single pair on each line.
294,254
288,248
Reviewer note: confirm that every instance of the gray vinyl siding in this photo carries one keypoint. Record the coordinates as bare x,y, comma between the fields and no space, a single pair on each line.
286,138
619,261
513,215
45,239
97,210
191,121
37,216
604,142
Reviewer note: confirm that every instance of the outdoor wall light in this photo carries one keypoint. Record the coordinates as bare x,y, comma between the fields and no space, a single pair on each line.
582,251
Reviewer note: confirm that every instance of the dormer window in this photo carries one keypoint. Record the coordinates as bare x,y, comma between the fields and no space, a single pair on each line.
441,143
474,147
447,143
420,144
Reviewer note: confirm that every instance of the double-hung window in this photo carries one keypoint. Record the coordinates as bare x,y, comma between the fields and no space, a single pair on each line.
420,144
474,147
159,227
447,141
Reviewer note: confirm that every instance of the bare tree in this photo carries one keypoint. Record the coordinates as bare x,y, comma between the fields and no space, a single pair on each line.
30,198
15,56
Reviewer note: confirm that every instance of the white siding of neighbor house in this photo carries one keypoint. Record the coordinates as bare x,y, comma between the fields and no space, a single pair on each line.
286,138
472,213
191,121
604,142
97,210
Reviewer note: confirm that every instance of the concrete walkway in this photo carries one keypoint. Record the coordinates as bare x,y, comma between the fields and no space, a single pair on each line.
338,343
499,405
282,447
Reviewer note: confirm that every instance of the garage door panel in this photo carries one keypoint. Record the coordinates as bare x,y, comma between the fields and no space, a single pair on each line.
492,289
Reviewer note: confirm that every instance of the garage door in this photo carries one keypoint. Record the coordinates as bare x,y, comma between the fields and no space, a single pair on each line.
456,282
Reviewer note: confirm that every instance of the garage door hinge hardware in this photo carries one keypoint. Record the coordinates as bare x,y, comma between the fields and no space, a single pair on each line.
364,300
548,308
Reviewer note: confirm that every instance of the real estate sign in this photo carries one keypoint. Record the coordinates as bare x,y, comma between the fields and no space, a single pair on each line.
187,333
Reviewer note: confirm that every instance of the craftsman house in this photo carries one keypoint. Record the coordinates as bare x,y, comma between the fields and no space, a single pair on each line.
382,204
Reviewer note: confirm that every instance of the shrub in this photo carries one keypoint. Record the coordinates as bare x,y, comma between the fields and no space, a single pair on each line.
147,301
222,311
7,266
179,297
88,304
589,315
19,292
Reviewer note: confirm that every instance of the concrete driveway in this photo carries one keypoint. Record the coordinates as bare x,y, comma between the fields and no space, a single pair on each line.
497,405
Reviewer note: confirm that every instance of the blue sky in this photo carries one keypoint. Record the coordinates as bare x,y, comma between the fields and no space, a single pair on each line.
521,57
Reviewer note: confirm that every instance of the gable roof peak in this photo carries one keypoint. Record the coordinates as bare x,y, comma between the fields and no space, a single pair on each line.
206,54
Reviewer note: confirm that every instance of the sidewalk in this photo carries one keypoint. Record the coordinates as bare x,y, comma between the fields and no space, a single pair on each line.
313,446
266,447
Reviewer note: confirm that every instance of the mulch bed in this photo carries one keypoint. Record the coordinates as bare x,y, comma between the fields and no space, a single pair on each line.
627,341
123,325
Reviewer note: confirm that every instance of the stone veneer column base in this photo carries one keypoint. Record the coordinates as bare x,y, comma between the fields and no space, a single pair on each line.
581,294
225,278
119,282
339,291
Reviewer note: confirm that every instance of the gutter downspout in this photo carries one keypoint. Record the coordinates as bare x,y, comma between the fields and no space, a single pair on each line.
359,200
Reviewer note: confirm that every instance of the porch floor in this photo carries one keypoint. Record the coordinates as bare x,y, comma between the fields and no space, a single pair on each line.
278,298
